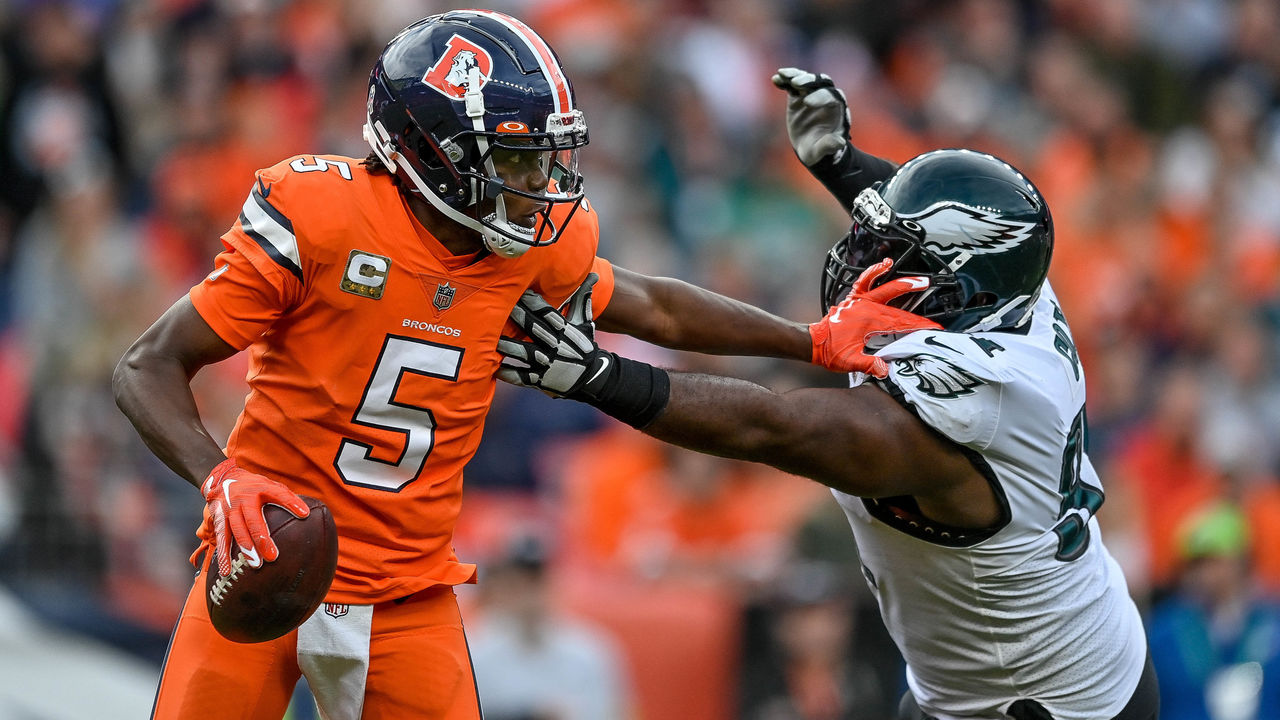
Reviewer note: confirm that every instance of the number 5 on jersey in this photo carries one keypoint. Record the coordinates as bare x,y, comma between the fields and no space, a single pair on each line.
380,408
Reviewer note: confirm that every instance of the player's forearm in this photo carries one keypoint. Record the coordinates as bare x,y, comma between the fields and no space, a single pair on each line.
742,420
153,392
706,322
850,173
677,315
721,415
856,440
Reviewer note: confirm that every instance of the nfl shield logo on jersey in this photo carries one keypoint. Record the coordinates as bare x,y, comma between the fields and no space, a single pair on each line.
336,610
444,296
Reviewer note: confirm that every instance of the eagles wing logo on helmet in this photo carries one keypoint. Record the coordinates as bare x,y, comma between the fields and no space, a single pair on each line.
952,227
451,72
938,377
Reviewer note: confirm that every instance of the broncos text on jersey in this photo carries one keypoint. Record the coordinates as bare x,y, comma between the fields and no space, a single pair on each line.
372,353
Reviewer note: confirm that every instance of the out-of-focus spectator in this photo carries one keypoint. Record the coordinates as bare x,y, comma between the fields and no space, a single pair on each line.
1241,421
1162,464
533,662
88,501
666,513
812,663
1216,641
668,548
58,116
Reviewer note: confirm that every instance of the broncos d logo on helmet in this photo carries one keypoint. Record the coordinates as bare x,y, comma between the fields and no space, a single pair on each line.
938,377
952,227
451,73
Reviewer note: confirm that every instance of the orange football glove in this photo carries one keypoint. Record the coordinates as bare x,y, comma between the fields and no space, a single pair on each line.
234,497
840,338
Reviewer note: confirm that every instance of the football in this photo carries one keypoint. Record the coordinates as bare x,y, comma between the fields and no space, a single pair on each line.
255,605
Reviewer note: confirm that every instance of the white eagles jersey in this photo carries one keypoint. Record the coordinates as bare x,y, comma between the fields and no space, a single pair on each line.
1036,607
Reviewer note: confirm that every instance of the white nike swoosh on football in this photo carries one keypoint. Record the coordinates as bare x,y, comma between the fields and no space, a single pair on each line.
603,366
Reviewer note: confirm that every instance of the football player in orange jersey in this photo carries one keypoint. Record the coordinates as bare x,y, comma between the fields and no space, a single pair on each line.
370,296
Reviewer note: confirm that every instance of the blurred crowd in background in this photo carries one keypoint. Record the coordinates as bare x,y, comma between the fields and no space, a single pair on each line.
665,583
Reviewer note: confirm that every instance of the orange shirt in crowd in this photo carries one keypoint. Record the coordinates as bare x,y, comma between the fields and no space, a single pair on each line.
1170,484
632,502
1262,506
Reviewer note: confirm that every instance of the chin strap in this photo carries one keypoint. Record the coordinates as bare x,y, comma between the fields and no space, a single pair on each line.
380,140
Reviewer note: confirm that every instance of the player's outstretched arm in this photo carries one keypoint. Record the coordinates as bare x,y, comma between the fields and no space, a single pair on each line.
857,440
675,314
818,122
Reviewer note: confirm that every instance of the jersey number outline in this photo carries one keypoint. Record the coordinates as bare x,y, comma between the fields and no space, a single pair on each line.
379,408
1080,500
320,164
1062,341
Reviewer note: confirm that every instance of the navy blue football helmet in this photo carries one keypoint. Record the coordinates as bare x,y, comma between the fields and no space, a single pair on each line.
452,89
970,222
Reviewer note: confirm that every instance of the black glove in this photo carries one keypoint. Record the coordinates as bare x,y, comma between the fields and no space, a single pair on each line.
561,358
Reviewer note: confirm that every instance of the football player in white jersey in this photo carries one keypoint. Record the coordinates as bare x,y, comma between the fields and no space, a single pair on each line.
958,455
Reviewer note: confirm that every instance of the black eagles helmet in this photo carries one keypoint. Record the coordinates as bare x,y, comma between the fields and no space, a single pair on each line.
449,90
969,221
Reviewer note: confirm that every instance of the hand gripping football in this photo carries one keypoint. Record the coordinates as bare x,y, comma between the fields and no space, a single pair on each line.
255,605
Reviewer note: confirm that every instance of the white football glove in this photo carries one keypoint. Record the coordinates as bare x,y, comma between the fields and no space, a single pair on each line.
561,357
817,114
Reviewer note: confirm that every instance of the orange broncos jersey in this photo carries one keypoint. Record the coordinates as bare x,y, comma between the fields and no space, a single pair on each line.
372,358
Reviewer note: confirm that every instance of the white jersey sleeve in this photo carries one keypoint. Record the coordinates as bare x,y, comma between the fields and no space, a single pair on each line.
950,383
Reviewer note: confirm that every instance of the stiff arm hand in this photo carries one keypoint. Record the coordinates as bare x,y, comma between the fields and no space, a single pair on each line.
562,359
840,338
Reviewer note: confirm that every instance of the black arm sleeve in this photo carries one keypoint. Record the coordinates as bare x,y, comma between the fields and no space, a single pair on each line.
631,391
849,172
